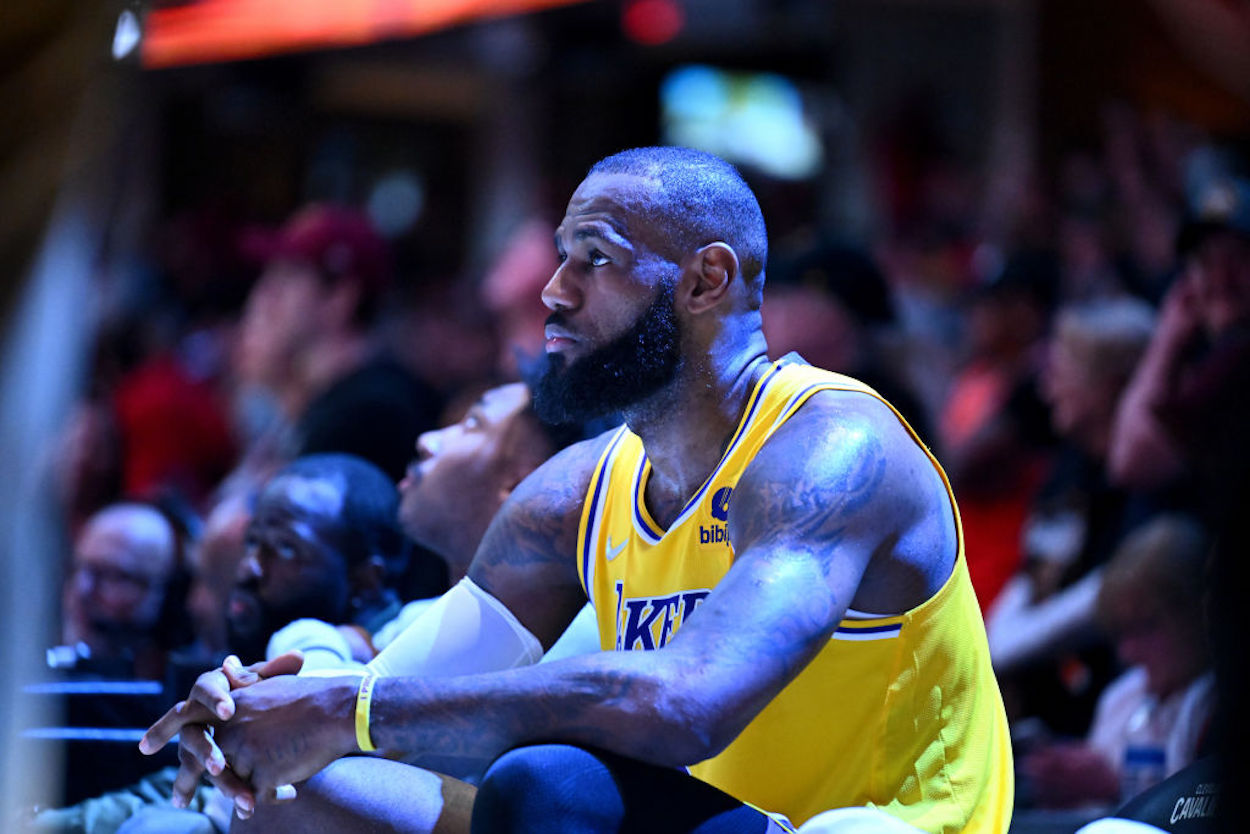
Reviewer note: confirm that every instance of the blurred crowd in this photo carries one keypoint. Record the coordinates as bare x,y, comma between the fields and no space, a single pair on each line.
280,430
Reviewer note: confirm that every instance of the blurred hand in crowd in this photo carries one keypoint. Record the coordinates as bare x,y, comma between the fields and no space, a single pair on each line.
1070,774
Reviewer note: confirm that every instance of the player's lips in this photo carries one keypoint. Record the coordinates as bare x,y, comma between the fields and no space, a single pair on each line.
241,603
412,476
558,338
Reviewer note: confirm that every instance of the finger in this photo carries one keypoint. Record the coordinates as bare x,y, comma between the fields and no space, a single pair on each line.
212,689
237,674
244,807
187,780
198,742
171,723
236,784
235,788
288,663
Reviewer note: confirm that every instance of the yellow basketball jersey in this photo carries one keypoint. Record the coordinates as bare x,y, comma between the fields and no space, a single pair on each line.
902,713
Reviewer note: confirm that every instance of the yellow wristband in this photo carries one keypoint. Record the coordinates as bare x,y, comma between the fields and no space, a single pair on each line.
364,698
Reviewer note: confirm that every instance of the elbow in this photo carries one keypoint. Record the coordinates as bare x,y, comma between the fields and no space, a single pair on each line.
672,711
690,727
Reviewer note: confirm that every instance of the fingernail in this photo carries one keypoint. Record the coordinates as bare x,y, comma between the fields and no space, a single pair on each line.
224,711
178,801
284,792
215,765
144,747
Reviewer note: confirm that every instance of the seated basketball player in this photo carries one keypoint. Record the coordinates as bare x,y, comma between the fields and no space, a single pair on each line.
774,559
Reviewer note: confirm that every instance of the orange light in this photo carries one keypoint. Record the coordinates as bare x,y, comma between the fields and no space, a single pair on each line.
234,30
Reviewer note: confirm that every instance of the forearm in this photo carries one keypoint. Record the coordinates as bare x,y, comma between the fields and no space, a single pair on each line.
1020,632
1143,452
618,701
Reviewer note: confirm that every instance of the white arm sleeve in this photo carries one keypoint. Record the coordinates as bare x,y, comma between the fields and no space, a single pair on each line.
464,632
325,650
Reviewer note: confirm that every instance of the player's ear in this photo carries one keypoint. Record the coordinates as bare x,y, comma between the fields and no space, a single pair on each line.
714,268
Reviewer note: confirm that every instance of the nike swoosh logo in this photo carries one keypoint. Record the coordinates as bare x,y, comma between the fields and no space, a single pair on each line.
613,552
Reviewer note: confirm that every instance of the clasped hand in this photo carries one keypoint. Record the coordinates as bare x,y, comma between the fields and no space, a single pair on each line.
255,730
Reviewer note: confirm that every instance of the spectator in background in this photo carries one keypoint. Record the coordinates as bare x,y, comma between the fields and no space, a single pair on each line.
1086,247
994,427
1155,716
831,305
323,544
307,338
511,292
122,589
1042,627
1185,413
174,434
151,427
214,561
1186,402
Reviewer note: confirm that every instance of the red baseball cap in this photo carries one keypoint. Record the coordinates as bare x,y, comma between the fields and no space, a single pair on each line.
339,241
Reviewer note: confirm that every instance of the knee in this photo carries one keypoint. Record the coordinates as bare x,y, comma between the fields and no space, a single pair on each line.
547,788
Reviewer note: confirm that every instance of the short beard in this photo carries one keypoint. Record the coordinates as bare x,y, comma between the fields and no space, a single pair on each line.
251,638
612,378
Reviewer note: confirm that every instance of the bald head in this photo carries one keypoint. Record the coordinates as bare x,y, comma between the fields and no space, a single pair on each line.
123,561
139,532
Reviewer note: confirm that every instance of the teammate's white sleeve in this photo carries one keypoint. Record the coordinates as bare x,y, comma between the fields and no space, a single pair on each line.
464,632
325,650
581,637
393,628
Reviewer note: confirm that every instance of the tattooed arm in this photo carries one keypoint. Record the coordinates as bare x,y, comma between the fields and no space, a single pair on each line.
841,499
528,557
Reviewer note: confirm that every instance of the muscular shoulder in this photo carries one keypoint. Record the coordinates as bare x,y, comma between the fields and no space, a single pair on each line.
551,497
844,477
527,557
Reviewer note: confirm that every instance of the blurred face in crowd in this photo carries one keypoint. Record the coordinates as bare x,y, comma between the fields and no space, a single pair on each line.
811,323
1082,401
214,564
122,564
293,565
282,316
511,292
613,337
463,473
1168,644
1001,327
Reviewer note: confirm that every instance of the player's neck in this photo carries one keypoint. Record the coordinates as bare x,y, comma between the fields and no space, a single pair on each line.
686,435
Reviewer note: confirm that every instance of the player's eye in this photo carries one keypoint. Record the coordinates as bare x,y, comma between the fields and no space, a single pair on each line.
597,258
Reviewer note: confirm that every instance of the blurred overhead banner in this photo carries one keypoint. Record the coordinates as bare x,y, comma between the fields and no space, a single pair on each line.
203,31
